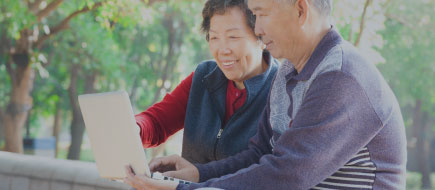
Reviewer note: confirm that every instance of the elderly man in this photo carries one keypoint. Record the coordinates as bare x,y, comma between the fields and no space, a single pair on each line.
331,121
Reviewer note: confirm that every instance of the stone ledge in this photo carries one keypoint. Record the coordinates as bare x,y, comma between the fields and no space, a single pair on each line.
24,172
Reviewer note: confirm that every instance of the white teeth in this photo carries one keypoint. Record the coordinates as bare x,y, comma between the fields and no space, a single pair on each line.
228,63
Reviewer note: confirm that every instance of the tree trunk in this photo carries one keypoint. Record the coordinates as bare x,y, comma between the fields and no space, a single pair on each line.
27,124
175,39
57,126
422,145
133,91
77,124
22,74
77,130
74,149
20,101
426,168
2,136
424,157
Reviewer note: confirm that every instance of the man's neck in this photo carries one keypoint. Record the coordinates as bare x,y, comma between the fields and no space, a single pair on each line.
307,50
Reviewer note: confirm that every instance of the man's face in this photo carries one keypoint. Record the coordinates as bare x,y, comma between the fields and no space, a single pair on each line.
279,24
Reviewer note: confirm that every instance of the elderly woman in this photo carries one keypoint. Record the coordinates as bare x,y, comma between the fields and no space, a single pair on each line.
220,103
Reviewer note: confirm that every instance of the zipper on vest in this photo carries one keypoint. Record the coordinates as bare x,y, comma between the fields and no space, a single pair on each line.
218,136
217,141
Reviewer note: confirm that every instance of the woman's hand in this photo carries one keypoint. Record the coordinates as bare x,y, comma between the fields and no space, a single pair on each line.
176,167
142,182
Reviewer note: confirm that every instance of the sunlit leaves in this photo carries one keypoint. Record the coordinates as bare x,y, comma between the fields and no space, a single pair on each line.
409,52
15,16
348,19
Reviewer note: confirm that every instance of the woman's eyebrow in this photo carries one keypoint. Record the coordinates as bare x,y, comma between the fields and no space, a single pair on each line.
228,30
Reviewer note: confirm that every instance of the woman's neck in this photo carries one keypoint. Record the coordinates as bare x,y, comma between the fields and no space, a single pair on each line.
261,69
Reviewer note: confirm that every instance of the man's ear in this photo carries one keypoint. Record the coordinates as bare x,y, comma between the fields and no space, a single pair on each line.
302,7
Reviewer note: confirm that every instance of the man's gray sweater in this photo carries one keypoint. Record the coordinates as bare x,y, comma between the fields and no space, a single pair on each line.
335,125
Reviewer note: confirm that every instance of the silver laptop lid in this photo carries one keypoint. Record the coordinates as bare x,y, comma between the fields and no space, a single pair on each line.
114,139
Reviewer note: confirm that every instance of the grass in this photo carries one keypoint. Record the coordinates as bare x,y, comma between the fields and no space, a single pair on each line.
85,155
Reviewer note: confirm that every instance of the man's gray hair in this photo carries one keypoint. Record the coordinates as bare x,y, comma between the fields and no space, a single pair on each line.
323,6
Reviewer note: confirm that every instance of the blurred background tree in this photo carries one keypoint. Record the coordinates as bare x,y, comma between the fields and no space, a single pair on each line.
409,51
53,50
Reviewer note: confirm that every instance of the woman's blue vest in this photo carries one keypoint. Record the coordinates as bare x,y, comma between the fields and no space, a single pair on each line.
206,137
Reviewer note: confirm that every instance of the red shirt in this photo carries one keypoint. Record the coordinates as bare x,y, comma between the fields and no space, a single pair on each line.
165,118
234,100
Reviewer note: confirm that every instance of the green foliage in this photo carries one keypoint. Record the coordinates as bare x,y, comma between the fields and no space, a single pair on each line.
397,36
65,50
361,25
85,155
413,180
5,86
15,16
409,43
124,42
147,47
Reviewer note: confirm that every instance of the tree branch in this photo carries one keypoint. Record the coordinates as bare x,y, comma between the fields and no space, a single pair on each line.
47,10
350,37
64,24
400,20
361,26
151,2
33,7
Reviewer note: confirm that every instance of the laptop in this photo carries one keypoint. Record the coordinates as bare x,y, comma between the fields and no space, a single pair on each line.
113,134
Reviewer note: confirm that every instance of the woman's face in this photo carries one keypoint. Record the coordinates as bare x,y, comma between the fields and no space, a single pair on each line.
234,45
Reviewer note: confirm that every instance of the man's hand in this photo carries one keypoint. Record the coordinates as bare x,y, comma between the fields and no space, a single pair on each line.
175,166
142,182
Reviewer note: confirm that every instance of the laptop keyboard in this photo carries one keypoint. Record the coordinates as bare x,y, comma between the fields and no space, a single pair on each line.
159,176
